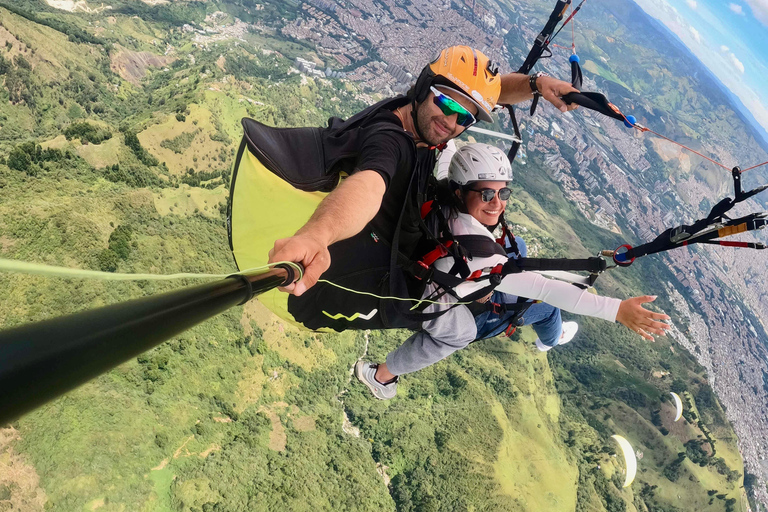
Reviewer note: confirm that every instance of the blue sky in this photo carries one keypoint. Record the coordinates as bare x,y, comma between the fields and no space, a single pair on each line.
728,36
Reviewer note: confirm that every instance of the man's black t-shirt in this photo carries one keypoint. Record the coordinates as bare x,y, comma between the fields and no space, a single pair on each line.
373,139
393,155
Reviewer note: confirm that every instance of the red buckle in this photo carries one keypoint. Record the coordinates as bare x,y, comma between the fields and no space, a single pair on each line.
426,267
509,332
435,254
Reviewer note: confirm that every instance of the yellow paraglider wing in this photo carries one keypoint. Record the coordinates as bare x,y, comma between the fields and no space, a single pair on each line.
265,208
629,459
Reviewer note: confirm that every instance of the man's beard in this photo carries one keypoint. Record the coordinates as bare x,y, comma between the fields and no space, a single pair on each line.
425,126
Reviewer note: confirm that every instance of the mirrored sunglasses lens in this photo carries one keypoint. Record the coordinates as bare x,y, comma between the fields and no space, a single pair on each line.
449,106
465,120
487,195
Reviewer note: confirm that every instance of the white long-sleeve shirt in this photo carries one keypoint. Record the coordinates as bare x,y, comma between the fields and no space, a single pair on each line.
531,285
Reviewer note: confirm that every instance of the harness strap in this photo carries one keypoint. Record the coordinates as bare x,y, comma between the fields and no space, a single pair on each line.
594,265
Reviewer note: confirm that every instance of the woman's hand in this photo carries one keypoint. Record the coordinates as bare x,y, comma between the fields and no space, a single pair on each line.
635,317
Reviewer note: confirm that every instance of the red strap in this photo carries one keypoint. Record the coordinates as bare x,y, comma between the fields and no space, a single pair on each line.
426,208
505,233
510,330
475,275
479,273
726,243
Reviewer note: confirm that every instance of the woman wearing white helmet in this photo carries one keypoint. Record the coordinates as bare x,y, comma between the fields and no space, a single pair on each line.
479,175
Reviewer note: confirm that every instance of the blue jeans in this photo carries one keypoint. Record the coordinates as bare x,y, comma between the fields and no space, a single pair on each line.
544,319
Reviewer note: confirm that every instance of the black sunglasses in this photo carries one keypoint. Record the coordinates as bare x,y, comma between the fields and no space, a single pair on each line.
487,194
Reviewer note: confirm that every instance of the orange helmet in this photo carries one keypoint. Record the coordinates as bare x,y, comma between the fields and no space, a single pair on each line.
467,71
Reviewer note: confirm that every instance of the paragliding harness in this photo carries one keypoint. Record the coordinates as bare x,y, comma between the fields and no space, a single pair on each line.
467,247
480,246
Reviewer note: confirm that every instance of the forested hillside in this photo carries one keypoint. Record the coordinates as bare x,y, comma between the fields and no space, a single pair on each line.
118,129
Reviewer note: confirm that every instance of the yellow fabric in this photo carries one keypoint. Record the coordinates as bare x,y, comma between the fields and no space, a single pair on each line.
264,209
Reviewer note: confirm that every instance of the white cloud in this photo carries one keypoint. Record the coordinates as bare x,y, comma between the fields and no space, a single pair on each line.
759,9
695,34
736,8
692,4
736,63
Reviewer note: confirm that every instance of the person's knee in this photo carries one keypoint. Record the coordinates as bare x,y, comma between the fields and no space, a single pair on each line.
455,328
461,340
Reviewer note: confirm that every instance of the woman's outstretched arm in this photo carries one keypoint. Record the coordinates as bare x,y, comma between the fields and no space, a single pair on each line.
565,296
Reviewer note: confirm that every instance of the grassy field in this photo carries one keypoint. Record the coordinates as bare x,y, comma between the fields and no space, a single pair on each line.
187,201
202,153
532,467
597,69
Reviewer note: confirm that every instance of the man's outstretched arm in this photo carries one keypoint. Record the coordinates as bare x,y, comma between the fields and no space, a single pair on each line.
342,214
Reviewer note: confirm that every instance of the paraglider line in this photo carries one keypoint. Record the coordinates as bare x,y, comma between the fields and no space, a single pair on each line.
644,129
23,267
388,297
753,167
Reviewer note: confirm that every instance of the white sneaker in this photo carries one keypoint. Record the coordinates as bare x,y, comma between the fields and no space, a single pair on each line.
569,331
366,373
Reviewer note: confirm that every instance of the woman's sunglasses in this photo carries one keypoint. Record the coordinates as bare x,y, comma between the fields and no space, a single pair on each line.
449,106
487,194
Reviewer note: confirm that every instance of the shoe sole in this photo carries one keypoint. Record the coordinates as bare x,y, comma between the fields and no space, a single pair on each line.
364,381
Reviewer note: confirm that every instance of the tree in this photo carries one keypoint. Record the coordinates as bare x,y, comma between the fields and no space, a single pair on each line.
679,386
19,160
85,131
107,260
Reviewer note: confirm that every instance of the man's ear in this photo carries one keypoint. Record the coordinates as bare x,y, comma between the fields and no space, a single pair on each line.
458,193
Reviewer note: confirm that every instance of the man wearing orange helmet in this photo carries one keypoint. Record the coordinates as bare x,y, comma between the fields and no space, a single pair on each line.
393,147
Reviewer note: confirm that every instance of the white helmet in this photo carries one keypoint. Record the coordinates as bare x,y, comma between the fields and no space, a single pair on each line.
479,162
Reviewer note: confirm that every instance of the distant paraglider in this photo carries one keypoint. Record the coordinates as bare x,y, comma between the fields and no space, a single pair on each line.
678,405
629,459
